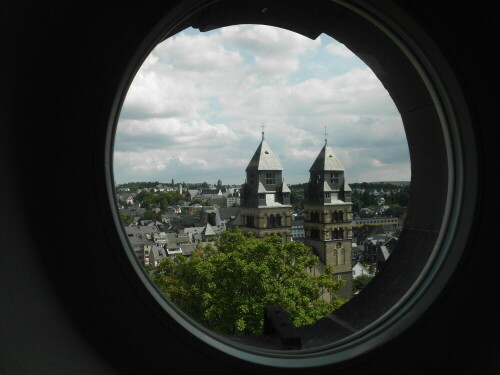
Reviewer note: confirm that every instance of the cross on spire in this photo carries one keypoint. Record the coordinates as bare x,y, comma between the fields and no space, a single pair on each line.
325,136
262,126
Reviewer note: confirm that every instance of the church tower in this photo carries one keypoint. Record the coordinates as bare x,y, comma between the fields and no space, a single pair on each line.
265,198
328,217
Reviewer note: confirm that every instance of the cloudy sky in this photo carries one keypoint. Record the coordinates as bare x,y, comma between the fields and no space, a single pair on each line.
196,108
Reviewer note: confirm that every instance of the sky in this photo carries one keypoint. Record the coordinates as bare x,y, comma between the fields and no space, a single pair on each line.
196,109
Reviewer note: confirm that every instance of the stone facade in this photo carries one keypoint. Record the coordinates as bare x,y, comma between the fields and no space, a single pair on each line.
265,198
328,217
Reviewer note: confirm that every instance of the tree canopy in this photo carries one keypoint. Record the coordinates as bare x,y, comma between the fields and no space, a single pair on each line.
226,286
161,200
359,283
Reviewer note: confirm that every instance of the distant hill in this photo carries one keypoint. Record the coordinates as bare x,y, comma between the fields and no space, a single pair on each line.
399,183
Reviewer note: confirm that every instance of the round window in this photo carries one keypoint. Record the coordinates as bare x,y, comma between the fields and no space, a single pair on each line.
439,212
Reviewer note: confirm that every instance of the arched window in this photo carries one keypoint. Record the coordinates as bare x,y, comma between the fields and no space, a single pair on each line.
342,256
250,221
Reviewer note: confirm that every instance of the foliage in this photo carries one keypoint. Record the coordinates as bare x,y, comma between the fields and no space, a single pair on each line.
227,286
297,199
150,215
126,218
369,267
397,199
298,187
360,282
200,202
134,186
161,200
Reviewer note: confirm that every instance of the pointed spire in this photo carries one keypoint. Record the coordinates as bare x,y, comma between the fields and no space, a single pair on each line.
264,159
326,161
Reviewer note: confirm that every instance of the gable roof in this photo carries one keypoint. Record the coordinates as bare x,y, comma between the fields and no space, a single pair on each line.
208,230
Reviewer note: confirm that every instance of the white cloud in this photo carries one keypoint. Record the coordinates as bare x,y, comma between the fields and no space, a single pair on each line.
301,154
192,134
339,49
200,53
198,103
268,41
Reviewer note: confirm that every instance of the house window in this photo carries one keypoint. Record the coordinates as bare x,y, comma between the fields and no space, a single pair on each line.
270,179
334,178
262,196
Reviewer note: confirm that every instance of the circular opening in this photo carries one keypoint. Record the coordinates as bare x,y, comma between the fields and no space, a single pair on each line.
189,116
439,214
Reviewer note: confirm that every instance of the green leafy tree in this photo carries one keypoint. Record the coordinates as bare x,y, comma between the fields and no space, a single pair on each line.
360,282
150,215
297,200
227,286
126,218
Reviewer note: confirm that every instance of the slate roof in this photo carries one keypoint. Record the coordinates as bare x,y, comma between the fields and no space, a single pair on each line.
187,249
264,159
226,213
326,161
208,230
158,253
210,192
135,241
261,188
383,254
141,230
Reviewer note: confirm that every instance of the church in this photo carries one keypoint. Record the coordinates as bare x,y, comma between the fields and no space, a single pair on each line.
266,210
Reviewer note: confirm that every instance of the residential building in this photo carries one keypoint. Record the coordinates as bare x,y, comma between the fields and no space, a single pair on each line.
298,233
359,270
